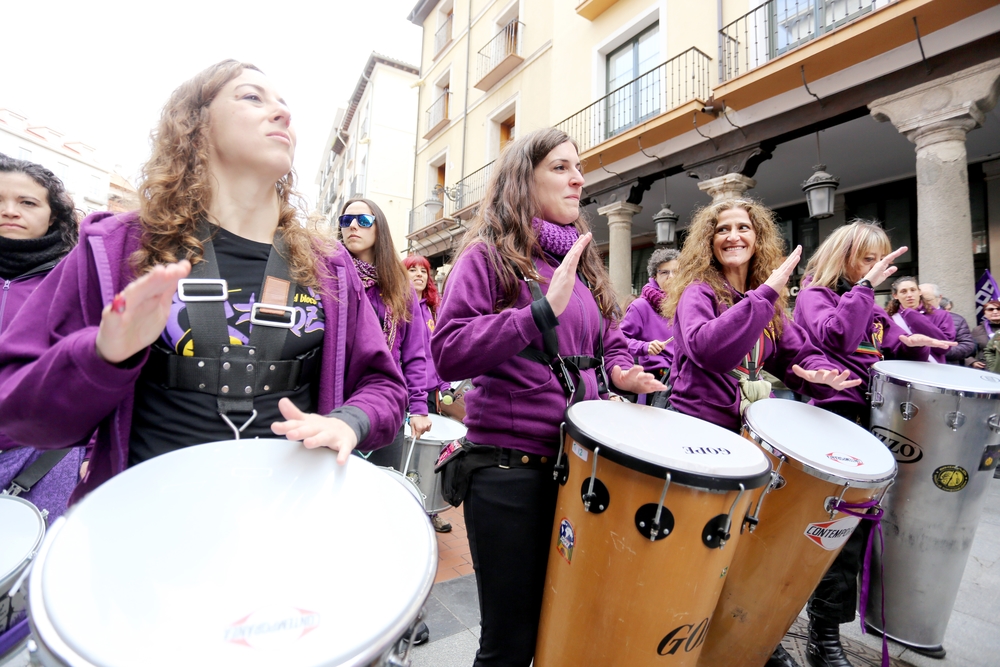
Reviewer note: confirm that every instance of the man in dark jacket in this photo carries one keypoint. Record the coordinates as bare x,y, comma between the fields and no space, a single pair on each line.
966,348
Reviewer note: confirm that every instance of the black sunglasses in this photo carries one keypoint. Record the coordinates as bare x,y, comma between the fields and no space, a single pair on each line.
365,220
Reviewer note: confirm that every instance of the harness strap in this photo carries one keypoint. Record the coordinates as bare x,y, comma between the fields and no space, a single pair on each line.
39,468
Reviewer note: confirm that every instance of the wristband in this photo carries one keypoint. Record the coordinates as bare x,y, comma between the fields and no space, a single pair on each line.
864,282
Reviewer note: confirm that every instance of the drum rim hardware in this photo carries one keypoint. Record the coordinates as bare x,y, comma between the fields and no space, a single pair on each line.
883,376
798,464
596,491
908,409
18,571
560,472
684,477
955,420
720,525
751,520
831,503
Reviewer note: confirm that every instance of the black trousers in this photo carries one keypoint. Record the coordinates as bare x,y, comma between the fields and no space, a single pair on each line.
390,456
835,599
508,516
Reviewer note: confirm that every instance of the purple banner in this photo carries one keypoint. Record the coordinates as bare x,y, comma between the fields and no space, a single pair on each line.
986,290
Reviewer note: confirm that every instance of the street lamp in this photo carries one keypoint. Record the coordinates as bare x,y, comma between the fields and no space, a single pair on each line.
819,189
666,225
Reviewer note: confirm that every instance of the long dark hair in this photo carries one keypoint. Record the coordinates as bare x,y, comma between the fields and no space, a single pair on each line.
503,222
393,279
894,306
60,203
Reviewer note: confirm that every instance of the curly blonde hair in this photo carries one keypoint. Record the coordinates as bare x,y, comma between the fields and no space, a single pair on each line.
175,193
699,264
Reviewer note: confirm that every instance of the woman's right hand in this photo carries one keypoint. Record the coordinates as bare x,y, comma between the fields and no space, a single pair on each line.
564,277
882,269
920,340
779,277
655,347
147,305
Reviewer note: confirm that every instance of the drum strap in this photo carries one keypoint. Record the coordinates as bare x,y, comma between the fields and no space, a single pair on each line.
752,388
30,475
235,373
567,369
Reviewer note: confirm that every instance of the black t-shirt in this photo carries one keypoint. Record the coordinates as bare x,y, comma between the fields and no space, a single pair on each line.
164,420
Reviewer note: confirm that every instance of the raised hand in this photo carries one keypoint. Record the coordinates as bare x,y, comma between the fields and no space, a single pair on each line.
564,277
636,380
779,277
920,340
655,347
315,430
146,306
836,379
882,269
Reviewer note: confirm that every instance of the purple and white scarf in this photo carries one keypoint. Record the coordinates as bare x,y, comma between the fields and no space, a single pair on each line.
369,278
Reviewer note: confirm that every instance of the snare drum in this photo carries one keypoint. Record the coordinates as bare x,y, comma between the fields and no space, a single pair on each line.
422,454
233,553
22,527
647,521
942,423
818,458
404,481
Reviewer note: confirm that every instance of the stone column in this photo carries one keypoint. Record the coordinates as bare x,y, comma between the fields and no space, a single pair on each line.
620,216
936,116
727,186
991,171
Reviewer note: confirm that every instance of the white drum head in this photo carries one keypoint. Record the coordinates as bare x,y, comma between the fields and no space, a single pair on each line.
443,429
822,441
407,483
21,531
652,440
942,376
251,552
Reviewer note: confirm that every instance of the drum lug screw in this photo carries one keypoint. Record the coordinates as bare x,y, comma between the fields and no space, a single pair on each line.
908,409
994,423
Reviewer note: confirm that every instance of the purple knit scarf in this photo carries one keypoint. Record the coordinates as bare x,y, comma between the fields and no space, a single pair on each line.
369,278
555,239
653,294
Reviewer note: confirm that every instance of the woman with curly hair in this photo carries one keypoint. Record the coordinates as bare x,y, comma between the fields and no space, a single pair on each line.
109,341
650,336
525,275
908,309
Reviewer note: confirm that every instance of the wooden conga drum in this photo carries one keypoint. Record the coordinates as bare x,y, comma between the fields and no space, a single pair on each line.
818,458
647,522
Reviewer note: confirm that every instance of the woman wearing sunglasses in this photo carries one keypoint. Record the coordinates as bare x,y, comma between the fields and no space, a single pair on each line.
986,332
95,340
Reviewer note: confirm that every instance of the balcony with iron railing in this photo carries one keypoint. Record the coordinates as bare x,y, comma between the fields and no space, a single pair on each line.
443,36
681,79
468,192
437,115
778,26
500,55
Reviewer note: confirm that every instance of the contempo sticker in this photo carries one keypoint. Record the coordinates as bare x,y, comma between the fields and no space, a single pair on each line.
832,534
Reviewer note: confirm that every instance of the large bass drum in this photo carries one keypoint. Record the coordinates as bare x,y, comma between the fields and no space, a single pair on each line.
647,521
234,553
942,423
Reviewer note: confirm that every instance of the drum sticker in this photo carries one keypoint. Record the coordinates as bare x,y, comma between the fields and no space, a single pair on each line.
845,459
580,451
832,535
991,455
567,539
688,636
950,478
270,628
903,449
719,451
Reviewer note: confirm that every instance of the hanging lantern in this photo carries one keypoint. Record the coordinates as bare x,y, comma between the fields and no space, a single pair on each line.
819,190
666,225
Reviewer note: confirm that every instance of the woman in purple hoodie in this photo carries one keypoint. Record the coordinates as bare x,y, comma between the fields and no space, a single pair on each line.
107,342
650,336
908,310
492,329
837,307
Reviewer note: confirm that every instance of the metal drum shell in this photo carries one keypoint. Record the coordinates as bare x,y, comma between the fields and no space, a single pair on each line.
419,466
928,530
620,599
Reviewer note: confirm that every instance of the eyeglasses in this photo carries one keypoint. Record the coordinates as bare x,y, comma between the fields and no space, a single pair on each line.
365,220
991,310
665,274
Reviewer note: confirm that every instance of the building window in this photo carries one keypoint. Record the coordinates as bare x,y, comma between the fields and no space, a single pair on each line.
633,97
507,131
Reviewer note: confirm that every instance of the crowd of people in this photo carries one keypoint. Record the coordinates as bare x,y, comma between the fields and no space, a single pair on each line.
100,331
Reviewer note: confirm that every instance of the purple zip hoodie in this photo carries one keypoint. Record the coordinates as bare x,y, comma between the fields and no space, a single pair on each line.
49,363
849,328
517,402
52,491
642,324
712,338
409,349
943,328
434,381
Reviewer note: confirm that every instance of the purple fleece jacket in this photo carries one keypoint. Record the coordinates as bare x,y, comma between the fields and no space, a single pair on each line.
943,329
434,381
838,324
712,338
642,324
517,402
52,491
49,363
409,349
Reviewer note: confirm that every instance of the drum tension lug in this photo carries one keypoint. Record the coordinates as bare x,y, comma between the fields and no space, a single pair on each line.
907,408
716,532
594,493
560,472
832,503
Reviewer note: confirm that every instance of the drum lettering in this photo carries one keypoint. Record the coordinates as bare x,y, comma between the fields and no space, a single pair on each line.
690,641
906,450
706,450
669,640
697,636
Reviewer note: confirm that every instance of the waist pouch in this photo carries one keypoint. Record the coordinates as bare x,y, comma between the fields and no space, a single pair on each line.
460,459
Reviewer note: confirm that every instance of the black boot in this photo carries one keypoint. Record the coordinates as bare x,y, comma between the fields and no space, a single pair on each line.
780,658
824,649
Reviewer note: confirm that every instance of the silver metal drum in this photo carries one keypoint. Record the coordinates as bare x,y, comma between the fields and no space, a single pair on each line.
240,553
942,424
420,456
22,527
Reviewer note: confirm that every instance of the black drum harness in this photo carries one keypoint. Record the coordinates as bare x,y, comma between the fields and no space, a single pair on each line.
235,374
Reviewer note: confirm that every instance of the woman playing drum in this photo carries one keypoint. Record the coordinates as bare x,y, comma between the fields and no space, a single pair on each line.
110,342
907,309
650,336
837,307
528,228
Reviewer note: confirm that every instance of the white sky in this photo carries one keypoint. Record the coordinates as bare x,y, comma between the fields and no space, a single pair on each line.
99,71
